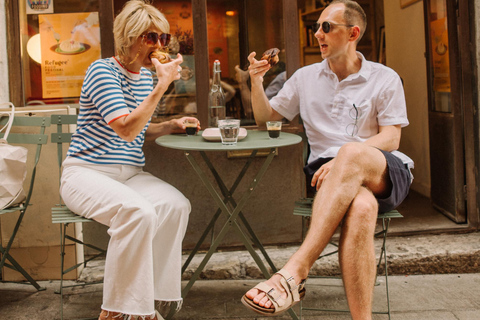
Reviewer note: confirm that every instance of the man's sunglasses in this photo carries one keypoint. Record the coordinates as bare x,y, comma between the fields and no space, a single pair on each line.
151,38
327,26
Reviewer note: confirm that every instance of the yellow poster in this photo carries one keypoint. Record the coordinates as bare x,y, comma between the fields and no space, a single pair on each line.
440,55
70,42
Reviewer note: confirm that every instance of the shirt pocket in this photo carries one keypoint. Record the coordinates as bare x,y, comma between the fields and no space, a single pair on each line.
359,119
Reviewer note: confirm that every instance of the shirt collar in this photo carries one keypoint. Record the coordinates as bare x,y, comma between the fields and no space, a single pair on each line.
364,72
125,71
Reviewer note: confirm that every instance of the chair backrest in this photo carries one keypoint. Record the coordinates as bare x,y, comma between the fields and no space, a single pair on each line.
306,145
39,138
60,137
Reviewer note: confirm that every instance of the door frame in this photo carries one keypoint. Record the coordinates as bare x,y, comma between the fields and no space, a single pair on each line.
467,48
461,18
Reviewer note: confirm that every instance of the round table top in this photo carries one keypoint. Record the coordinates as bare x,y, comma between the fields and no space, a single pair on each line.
254,140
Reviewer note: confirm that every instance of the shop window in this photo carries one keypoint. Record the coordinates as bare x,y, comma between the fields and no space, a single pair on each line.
236,28
59,41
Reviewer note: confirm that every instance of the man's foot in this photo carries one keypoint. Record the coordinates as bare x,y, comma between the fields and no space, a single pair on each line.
276,295
260,297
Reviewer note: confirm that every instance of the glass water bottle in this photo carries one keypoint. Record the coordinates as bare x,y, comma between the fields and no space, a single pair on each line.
216,98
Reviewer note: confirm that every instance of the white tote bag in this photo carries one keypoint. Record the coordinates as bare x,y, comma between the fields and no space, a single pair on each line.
13,166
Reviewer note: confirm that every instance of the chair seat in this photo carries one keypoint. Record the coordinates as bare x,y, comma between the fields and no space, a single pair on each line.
13,209
61,214
303,207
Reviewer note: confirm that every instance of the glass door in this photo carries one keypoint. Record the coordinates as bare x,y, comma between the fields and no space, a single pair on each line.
445,110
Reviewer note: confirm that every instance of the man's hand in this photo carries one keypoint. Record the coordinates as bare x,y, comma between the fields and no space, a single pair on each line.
257,68
321,174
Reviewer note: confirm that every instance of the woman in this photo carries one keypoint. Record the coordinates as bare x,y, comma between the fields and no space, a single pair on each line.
103,178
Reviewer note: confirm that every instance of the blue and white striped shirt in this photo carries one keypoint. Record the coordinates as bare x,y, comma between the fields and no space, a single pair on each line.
109,92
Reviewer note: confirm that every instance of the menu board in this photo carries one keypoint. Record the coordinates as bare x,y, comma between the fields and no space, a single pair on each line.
70,42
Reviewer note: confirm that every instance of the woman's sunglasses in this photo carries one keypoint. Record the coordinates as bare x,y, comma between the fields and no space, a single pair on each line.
327,26
151,38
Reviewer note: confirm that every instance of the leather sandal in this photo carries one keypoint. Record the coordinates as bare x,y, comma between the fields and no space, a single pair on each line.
294,295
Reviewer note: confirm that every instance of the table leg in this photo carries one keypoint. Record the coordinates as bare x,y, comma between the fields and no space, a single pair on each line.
232,216
228,194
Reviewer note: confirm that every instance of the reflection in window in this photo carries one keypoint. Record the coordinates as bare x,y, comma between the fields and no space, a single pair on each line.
180,97
236,28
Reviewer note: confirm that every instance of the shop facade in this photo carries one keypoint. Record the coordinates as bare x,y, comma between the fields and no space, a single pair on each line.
46,51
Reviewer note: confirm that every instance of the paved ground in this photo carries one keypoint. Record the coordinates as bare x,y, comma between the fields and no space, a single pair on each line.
427,297
436,277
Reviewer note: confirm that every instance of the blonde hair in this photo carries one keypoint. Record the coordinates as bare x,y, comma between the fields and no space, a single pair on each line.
136,17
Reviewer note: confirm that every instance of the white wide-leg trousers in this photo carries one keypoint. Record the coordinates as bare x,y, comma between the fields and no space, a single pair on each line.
147,219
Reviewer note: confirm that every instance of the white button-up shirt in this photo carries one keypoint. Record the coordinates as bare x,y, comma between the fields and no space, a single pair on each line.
327,105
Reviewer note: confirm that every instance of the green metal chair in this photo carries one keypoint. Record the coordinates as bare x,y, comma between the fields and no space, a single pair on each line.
39,138
303,208
61,214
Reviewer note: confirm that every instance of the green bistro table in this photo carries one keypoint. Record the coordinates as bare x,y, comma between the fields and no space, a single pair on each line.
254,141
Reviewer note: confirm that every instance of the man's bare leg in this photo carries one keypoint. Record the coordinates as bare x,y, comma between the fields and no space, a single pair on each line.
356,165
357,254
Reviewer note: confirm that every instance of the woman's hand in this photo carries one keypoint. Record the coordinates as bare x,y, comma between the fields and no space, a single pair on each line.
321,174
167,72
178,125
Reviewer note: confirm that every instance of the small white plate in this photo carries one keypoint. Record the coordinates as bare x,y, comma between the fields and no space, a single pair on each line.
213,134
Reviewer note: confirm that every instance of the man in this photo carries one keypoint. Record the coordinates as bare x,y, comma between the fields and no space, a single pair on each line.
353,111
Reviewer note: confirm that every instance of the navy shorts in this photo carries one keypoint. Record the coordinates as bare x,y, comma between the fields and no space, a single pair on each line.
397,170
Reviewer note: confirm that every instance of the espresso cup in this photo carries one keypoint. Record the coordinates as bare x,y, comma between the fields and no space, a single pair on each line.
191,126
274,128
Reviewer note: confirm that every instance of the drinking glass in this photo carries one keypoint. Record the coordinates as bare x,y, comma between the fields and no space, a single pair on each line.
229,129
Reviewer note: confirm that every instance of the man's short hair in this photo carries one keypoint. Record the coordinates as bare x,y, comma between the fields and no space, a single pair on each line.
354,15
136,18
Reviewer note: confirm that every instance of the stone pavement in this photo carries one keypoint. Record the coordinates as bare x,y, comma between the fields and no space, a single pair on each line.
435,277
426,297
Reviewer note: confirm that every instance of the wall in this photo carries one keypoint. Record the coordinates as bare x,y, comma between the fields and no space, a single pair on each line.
477,55
405,48
4,95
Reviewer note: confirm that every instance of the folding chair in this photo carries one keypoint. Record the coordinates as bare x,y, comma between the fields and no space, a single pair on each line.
61,214
303,208
38,139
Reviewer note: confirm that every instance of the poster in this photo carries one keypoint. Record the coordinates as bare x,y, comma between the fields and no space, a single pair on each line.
39,6
440,55
70,42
